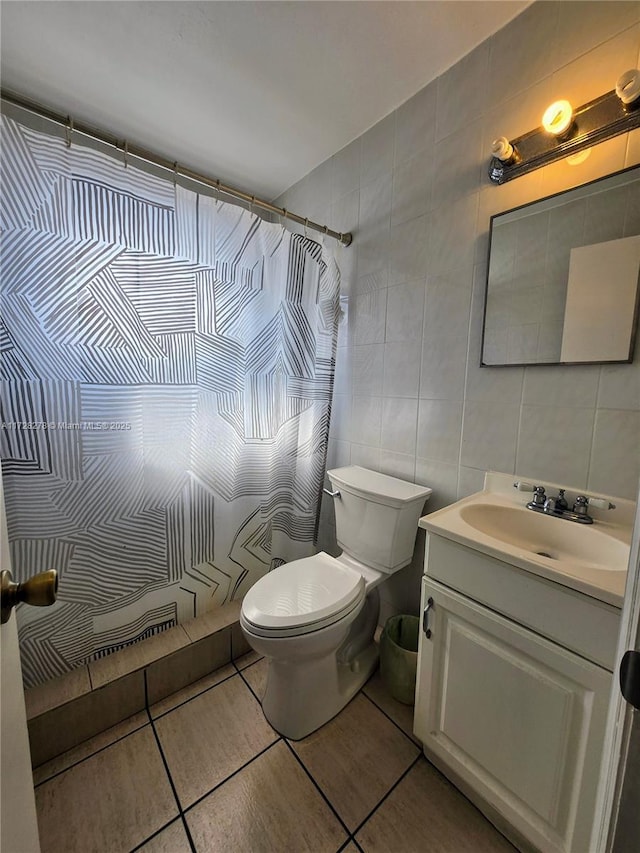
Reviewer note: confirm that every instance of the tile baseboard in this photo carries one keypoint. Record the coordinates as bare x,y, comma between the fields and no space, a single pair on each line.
68,710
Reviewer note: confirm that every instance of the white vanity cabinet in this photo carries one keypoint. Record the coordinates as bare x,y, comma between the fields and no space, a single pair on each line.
512,710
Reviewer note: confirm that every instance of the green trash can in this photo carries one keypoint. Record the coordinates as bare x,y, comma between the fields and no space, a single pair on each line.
399,657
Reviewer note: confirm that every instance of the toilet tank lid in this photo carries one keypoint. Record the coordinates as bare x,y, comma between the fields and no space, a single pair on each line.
373,485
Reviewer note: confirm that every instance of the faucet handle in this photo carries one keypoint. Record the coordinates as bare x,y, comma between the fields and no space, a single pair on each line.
580,505
539,496
521,486
601,503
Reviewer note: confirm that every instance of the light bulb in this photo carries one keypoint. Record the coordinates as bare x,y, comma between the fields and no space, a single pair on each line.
628,86
557,118
502,149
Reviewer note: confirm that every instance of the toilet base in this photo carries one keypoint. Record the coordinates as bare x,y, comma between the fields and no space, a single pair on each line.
313,676
298,700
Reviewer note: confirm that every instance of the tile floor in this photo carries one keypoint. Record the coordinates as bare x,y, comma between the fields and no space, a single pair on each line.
203,771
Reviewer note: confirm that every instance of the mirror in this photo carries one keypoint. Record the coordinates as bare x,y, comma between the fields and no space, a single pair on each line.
564,277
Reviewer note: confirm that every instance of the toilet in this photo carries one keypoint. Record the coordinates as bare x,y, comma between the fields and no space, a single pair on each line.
314,619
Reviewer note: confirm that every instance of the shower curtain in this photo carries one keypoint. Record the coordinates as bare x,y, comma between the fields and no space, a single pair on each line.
167,370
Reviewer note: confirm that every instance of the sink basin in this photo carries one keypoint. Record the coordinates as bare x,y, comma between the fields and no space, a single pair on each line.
545,536
589,558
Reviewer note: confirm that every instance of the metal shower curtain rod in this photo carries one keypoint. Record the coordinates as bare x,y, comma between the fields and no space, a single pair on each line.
171,166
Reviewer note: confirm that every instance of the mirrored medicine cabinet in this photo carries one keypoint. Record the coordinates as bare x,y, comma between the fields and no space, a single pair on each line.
563,282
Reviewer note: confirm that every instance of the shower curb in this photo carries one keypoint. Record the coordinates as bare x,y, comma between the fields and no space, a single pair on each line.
80,704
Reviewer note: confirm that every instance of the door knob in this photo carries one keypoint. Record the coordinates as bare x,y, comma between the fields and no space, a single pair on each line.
40,590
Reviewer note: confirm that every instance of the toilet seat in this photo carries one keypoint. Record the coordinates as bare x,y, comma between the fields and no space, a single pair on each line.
302,596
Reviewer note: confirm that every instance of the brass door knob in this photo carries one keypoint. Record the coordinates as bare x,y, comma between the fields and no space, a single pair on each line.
40,590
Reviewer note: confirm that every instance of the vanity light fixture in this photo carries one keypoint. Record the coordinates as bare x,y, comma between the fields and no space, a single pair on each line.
565,132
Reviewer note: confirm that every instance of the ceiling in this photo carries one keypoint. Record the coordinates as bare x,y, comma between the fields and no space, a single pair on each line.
254,93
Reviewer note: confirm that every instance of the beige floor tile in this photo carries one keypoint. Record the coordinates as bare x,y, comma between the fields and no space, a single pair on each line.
356,758
173,839
211,737
429,815
109,803
271,805
181,696
88,747
401,714
256,676
351,848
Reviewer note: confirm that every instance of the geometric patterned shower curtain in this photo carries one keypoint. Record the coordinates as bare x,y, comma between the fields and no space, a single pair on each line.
167,371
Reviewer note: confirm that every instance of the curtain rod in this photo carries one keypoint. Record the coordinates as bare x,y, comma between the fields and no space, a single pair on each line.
143,154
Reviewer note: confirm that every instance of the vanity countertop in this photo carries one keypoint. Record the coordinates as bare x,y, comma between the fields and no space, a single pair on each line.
590,558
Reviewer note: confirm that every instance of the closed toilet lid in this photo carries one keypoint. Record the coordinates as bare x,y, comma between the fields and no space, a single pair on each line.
303,592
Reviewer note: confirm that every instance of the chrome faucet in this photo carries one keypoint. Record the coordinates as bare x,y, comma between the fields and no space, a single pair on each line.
539,499
558,506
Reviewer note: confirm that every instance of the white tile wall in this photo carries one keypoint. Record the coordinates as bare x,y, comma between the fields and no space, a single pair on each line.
402,368
399,424
405,308
555,444
414,192
615,452
366,419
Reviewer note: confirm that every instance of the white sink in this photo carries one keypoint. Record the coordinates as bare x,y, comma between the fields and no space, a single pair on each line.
591,558
547,536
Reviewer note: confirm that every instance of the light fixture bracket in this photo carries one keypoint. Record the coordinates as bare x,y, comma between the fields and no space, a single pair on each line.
594,122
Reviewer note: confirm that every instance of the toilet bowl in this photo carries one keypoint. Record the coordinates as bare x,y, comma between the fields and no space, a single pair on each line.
314,619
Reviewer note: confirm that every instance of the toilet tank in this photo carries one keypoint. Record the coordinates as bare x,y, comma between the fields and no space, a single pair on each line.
376,516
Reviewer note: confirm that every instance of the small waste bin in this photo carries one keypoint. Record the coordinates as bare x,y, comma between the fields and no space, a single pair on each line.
399,656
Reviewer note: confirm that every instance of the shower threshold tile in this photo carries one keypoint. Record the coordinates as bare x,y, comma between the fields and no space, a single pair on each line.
137,656
247,659
192,690
57,691
216,620
89,747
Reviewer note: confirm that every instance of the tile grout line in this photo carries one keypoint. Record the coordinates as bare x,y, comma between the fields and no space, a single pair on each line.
252,691
318,788
350,840
391,720
167,771
195,695
154,835
87,757
388,794
147,710
301,763
231,775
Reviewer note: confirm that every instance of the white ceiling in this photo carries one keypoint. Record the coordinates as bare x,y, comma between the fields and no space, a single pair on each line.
254,93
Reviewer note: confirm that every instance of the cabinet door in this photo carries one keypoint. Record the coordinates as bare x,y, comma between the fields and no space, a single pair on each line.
517,717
